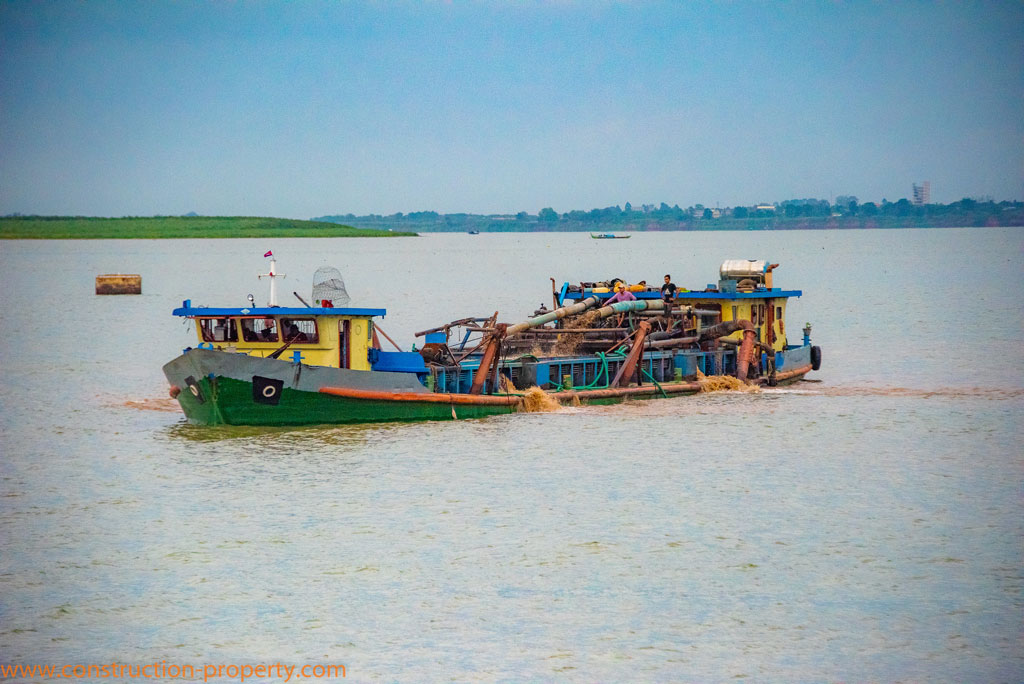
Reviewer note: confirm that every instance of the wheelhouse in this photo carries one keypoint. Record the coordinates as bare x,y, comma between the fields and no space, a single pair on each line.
336,338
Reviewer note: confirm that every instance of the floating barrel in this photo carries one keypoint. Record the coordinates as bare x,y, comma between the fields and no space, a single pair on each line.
118,283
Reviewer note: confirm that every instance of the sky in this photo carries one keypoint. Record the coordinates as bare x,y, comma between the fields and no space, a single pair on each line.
303,109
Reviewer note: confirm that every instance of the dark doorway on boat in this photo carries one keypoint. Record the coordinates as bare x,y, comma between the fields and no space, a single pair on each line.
345,351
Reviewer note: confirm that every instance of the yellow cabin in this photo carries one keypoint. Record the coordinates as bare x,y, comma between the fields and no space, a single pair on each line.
745,292
336,338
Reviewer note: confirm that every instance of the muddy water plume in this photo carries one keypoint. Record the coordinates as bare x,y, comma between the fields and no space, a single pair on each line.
724,383
536,400
147,404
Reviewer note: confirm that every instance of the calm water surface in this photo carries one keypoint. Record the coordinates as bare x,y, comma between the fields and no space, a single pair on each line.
864,528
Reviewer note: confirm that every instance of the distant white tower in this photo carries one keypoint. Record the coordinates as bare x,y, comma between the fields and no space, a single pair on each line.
923,193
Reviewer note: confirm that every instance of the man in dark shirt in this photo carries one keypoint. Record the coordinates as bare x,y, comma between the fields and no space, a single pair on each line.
668,290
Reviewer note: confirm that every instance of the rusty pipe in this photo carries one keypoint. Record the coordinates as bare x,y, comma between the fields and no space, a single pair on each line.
567,396
745,354
721,330
767,349
555,315
564,331
489,362
628,367
670,342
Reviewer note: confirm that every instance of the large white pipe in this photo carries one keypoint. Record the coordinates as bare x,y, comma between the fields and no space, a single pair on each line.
632,305
555,315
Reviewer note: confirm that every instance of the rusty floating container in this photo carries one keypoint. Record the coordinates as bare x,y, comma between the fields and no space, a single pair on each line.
118,283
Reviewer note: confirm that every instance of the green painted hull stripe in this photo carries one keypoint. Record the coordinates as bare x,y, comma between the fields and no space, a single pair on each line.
230,402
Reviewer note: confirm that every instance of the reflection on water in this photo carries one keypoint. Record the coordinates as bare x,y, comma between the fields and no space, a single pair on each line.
863,528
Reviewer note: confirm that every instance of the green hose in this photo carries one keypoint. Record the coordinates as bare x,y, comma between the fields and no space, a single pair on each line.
559,387
604,369
593,384
651,378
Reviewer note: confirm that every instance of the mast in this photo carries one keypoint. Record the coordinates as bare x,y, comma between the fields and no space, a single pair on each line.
273,275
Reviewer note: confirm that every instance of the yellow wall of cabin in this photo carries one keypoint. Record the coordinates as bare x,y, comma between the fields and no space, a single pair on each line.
325,352
360,337
742,308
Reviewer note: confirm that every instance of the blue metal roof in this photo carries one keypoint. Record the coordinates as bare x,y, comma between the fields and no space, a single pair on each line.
267,311
756,294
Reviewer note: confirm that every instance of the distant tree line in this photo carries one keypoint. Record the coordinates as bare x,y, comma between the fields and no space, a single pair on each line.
845,212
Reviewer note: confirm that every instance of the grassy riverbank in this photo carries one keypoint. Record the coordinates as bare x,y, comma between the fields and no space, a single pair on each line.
155,227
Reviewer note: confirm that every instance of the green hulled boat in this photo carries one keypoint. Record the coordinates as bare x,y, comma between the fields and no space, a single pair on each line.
324,364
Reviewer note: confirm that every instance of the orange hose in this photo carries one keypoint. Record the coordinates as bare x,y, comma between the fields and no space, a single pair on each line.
427,397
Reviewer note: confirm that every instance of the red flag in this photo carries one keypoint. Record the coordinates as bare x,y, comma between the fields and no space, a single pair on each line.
268,254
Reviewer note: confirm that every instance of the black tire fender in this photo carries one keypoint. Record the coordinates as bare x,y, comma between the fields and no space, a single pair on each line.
815,358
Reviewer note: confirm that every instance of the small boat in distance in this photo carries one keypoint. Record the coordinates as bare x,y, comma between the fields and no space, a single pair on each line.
474,232
610,236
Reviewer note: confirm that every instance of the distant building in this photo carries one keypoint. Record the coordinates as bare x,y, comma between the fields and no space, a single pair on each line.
923,193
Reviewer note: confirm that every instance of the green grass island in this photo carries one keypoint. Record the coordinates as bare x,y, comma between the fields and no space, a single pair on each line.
158,227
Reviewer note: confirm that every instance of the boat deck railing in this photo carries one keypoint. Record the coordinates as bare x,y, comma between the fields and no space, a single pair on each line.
588,371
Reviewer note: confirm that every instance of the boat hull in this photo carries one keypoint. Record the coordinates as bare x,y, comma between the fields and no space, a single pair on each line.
222,388
232,404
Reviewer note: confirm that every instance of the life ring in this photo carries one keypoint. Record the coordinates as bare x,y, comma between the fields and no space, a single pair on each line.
815,358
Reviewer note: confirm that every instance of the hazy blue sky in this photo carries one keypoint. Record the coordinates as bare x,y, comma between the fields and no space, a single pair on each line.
301,109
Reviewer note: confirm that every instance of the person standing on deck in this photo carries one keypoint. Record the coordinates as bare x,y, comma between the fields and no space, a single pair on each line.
668,290
621,295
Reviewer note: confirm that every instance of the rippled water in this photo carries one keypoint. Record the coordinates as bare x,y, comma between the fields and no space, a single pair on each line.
864,528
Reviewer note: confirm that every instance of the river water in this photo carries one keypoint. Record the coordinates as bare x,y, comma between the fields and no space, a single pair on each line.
867,527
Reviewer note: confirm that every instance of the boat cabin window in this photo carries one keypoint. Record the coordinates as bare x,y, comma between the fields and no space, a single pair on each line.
218,330
259,329
299,329
778,313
